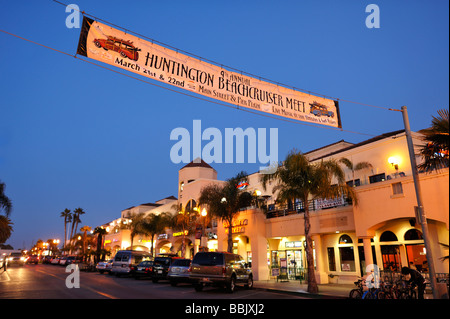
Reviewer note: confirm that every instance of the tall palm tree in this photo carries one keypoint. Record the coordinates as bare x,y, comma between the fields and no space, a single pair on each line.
100,231
85,229
183,220
76,220
135,226
226,201
5,228
154,224
435,152
5,208
298,178
5,202
67,219
354,167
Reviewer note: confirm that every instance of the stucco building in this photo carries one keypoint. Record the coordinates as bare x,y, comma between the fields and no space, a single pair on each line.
380,230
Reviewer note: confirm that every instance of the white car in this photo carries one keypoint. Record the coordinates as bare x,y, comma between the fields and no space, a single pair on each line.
104,266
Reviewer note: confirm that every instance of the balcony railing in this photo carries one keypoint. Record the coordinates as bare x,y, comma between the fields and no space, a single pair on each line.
274,211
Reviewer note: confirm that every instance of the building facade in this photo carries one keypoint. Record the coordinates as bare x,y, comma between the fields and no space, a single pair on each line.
380,230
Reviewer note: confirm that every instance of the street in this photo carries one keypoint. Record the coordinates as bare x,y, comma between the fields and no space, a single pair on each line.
49,282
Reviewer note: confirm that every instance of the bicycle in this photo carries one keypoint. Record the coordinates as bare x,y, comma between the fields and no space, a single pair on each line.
357,293
373,293
402,290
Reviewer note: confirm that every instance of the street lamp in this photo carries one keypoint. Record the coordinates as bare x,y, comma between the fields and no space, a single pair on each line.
204,213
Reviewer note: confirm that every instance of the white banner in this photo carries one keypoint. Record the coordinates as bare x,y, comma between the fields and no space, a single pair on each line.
103,43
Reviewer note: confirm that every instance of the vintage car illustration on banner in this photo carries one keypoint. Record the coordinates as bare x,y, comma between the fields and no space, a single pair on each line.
125,48
320,110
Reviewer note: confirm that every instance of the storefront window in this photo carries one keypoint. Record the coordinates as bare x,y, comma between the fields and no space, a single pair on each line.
331,259
347,258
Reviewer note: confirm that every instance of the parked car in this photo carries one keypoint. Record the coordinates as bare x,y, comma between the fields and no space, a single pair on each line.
220,269
104,266
179,271
62,260
47,259
143,270
161,267
33,259
72,260
16,259
55,260
124,260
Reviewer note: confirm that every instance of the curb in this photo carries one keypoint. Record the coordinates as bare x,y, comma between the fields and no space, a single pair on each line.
304,294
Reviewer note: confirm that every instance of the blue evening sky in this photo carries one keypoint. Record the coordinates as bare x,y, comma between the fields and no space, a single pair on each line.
76,135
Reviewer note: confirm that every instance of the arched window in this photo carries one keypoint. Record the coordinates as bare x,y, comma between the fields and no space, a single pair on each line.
190,206
346,253
413,234
345,239
388,236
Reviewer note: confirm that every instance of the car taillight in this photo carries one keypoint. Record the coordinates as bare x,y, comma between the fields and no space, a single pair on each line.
190,269
224,270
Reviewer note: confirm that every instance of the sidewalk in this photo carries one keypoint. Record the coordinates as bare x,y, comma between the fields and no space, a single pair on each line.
326,291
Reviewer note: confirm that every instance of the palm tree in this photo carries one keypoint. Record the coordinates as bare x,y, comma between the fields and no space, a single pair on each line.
354,167
154,224
5,208
226,201
183,220
67,219
5,202
135,227
5,228
298,178
100,231
85,229
75,221
435,152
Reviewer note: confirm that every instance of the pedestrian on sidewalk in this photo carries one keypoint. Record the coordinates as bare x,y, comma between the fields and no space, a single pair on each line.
4,264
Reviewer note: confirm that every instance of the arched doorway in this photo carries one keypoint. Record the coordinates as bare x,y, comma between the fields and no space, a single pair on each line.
390,251
188,246
163,247
415,250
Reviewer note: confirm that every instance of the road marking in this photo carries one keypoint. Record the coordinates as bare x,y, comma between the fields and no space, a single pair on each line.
85,287
5,274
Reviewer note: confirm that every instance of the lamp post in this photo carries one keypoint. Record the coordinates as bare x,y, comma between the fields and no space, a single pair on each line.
204,213
421,211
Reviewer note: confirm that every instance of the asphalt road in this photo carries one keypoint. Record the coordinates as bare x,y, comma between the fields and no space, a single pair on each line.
49,282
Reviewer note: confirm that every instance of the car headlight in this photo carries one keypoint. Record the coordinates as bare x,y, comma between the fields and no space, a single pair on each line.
23,258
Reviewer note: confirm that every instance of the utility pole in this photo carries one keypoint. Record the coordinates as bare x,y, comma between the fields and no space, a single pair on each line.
421,211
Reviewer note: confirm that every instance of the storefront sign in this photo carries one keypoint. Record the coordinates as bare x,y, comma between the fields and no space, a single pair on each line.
241,222
235,230
180,233
103,43
293,244
328,203
237,227
163,236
